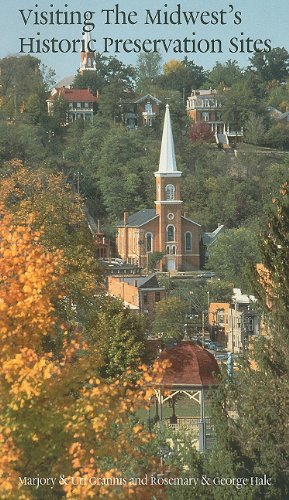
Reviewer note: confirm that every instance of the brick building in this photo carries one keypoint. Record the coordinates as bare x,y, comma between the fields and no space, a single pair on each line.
164,229
204,106
138,293
234,324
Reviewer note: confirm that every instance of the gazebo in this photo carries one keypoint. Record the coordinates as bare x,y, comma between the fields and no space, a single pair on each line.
192,371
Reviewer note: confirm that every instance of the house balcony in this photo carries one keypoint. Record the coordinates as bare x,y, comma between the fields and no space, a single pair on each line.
147,115
235,133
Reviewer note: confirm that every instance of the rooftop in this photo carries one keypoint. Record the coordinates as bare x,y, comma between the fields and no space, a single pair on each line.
190,365
139,218
73,95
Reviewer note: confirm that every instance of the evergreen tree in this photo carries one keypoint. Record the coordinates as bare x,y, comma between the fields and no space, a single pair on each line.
252,424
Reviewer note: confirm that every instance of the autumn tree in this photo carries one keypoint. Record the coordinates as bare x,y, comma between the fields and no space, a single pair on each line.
57,419
201,132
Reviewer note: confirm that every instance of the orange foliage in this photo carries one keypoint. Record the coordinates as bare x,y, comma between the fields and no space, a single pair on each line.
57,418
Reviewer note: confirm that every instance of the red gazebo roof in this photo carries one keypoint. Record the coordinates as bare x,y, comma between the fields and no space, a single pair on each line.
191,365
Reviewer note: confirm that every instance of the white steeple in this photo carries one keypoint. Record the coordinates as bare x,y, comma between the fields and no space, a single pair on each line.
167,164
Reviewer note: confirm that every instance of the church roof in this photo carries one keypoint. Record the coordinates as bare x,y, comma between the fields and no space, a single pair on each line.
192,221
139,218
167,164
210,238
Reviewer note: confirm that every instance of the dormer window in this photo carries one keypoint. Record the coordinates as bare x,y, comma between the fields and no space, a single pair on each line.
170,192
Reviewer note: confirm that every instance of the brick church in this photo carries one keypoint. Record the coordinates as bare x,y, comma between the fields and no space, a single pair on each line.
164,228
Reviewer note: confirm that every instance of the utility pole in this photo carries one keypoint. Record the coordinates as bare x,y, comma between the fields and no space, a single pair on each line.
203,328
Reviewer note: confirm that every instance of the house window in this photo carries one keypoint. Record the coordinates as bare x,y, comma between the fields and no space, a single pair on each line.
168,249
171,233
188,241
78,104
149,242
170,192
206,116
173,250
157,296
145,298
148,107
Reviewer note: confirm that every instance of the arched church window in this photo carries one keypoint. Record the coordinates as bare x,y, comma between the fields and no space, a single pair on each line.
149,242
171,233
188,241
170,192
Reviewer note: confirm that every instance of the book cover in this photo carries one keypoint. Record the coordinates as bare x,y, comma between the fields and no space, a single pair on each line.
144,249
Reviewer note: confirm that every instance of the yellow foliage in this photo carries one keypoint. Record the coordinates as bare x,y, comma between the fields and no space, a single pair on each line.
38,388
172,66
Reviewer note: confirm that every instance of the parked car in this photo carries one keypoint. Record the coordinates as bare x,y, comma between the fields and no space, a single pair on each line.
219,347
221,356
206,275
212,345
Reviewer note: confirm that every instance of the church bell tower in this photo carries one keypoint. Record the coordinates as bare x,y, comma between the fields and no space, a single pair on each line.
168,201
87,62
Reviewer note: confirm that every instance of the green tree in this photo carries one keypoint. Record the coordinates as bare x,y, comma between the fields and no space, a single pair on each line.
148,69
107,70
237,104
259,394
170,319
232,255
255,129
126,160
111,100
182,76
225,74
119,338
21,77
23,141
277,136
273,65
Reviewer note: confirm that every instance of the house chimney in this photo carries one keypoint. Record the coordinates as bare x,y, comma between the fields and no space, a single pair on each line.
125,218
186,215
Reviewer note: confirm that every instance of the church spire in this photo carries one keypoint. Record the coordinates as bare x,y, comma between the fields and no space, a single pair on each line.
87,56
167,164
